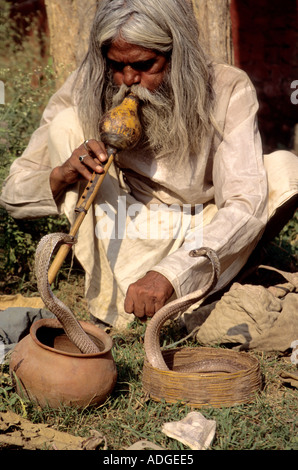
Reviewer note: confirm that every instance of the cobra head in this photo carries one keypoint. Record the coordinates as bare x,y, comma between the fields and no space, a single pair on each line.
120,127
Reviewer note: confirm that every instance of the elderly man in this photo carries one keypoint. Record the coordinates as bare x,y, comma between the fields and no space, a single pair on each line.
196,178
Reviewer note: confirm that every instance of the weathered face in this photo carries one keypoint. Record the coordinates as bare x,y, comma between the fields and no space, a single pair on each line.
135,65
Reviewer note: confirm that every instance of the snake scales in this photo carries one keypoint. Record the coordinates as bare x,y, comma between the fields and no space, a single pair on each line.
151,341
72,327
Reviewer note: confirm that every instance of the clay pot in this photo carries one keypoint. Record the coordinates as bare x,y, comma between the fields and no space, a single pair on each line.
49,369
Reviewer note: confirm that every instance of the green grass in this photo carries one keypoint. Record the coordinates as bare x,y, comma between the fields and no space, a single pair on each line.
269,422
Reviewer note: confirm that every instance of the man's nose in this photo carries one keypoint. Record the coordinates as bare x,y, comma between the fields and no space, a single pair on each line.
131,76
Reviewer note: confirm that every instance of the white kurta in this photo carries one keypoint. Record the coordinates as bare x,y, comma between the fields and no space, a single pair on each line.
218,198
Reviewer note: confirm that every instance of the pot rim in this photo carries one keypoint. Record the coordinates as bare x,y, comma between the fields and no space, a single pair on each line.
88,328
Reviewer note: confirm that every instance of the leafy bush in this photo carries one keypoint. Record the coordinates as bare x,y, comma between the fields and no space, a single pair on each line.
18,241
29,81
25,97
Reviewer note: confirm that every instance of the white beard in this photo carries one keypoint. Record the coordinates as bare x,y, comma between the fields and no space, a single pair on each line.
155,115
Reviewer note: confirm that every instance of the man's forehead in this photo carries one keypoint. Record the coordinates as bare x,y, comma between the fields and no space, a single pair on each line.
122,51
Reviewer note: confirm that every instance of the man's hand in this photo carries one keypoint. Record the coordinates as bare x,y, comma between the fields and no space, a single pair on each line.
147,295
72,170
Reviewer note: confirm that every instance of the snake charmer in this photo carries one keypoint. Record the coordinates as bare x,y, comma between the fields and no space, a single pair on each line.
197,177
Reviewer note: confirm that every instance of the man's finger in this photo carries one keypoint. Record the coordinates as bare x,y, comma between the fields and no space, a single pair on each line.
128,304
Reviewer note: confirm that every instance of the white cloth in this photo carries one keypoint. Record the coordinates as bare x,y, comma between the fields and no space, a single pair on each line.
227,177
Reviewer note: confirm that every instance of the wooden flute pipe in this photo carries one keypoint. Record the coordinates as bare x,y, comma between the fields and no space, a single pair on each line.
82,207
119,129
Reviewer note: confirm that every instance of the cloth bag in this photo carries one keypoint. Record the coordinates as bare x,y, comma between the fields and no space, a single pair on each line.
250,317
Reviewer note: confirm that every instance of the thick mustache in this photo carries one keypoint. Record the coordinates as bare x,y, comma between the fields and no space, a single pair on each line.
144,95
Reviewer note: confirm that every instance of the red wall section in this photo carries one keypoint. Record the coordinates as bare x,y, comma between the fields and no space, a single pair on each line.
265,42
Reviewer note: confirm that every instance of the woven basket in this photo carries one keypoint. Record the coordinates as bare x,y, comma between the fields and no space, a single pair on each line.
239,384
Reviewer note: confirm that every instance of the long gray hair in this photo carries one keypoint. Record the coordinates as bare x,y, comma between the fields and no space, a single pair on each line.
168,27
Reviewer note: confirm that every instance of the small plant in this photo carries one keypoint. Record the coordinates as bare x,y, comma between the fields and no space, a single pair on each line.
18,241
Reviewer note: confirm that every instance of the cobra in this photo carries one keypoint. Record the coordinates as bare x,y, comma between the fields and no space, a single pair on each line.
151,341
71,326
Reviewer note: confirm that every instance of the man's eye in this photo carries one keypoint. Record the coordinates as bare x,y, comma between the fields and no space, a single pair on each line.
116,66
143,66
140,66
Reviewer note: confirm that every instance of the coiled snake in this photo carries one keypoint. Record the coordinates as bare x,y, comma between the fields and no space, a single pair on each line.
71,326
151,341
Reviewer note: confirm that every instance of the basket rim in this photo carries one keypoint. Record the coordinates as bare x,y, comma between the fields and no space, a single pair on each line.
201,389
255,366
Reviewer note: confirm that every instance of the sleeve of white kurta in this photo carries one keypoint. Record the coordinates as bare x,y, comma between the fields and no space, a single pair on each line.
26,191
240,194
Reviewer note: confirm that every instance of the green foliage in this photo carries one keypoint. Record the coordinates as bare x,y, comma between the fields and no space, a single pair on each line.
29,81
18,241
25,96
282,252
288,236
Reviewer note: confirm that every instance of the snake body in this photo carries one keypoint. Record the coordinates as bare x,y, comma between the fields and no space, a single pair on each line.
151,341
71,326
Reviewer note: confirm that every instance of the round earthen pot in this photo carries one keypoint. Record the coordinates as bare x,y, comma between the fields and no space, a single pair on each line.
49,369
